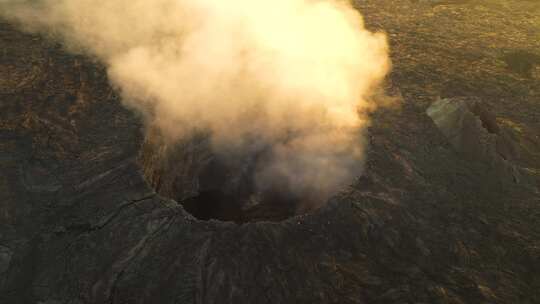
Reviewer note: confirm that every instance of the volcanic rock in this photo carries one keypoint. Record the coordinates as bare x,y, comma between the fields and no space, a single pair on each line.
473,131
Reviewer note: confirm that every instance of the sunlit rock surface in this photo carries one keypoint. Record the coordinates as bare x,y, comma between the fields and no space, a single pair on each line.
474,132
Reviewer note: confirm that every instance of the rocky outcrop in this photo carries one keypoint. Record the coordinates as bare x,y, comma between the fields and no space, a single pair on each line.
473,131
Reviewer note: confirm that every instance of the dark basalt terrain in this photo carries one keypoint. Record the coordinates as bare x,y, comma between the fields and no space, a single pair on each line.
430,220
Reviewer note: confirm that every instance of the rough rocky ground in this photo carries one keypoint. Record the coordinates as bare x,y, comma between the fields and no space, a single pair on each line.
424,224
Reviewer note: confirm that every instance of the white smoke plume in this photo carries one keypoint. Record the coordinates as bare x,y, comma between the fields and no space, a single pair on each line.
293,74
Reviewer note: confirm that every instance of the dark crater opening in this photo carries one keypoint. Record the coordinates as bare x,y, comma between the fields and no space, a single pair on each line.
212,187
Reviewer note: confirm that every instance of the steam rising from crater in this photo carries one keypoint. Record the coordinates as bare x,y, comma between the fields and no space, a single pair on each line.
292,75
